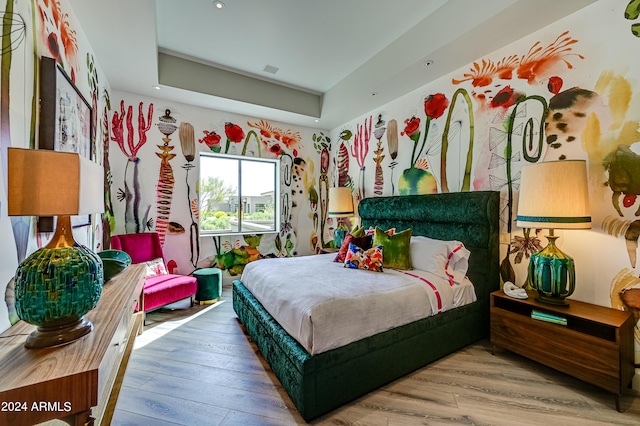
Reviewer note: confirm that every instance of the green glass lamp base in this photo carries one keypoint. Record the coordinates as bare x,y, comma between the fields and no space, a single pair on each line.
552,300
339,234
552,274
338,237
56,286
44,337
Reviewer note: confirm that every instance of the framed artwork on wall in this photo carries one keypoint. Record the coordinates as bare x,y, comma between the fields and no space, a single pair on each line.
65,123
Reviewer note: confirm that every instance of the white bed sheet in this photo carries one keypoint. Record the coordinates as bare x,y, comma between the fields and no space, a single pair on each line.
325,306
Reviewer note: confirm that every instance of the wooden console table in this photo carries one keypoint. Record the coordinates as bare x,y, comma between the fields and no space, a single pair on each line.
596,344
78,382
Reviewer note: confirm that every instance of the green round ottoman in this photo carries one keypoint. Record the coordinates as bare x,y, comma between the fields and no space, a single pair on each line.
209,285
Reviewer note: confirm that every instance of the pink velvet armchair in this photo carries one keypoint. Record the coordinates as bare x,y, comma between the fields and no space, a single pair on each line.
162,289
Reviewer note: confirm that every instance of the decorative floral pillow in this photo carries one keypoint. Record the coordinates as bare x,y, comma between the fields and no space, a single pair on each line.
363,241
357,258
156,267
372,231
397,248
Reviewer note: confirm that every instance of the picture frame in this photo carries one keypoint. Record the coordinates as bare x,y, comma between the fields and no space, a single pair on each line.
65,123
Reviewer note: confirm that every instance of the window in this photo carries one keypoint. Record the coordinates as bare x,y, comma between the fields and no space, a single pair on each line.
238,195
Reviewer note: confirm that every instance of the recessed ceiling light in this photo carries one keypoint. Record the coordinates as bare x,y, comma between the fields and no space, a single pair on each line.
218,4
427,63
374,93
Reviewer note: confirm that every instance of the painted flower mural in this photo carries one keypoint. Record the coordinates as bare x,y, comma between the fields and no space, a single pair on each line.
277,141
412,130
505,98
59,36
137,217
212,140
392,143
534,66
359,151
435,106
234,134
166,180
342,160
417,179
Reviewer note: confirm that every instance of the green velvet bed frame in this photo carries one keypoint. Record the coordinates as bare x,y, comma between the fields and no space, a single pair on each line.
318,384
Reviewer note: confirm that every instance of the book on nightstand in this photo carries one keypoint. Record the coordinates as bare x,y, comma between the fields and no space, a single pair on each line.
543,316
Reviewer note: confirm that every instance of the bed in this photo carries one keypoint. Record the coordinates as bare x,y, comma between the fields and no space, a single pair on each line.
324,381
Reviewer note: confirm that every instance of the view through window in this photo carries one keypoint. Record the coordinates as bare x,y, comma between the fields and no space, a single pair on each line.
238,195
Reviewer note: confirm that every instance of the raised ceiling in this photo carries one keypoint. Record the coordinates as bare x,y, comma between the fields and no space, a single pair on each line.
334,60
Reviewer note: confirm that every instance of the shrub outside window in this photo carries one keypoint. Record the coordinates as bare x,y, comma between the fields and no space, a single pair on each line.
238,195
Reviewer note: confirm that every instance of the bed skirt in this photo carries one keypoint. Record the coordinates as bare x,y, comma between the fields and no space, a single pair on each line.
318,384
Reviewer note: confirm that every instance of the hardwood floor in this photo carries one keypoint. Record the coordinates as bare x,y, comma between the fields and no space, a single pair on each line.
197,367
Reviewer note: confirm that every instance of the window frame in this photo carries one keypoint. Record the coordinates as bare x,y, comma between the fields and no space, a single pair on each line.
240,159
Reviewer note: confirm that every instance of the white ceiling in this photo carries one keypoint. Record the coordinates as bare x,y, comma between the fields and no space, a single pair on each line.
336,59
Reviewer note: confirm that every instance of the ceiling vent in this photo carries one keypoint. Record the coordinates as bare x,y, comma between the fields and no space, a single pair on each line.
271,69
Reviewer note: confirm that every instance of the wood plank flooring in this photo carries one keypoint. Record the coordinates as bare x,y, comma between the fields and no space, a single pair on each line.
197,367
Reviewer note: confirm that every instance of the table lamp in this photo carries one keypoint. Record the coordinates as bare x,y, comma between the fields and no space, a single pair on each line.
340,206
553,195
59,283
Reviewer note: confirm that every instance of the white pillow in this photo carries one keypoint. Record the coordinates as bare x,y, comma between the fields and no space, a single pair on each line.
156,267
445,258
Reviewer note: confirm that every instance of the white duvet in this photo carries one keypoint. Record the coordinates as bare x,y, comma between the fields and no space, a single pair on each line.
324,305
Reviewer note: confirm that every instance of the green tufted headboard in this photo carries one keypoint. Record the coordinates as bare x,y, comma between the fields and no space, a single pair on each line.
469,217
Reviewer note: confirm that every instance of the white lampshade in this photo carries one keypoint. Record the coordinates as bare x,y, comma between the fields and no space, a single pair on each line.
554,195
340,202
51,183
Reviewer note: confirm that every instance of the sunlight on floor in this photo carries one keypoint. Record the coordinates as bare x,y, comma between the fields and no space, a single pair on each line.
165,327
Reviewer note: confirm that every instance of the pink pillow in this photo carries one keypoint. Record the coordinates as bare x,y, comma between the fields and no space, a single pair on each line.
156,267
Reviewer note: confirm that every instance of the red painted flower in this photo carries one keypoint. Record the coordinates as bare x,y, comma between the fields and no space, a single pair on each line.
505,98
211,139
554,85
234,132
275,149
435,105
412,128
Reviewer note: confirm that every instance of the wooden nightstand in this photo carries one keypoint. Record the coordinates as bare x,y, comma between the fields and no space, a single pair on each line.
596,344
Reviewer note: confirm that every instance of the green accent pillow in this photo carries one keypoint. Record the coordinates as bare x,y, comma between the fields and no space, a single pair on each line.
357,231
397,248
